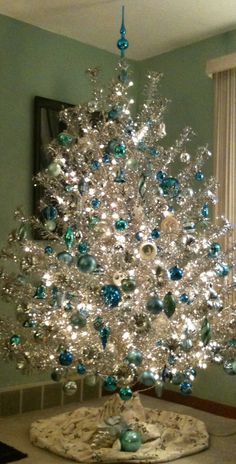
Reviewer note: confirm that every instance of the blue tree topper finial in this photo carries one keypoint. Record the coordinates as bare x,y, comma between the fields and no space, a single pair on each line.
122,43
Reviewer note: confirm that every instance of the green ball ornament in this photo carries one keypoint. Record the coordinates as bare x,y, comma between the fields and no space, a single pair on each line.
15,340
54,169
87,263
125,393
130,441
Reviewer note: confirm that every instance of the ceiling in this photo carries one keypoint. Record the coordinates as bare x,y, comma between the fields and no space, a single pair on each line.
153,26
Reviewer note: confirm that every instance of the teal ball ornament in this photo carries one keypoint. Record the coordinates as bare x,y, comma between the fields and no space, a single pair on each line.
148,378
111,295
87,264
134,357
110,383
65,257
125,393
130,441
154,305
215,249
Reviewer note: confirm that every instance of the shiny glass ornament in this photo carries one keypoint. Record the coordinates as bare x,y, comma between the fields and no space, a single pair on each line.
70,388
186,387
120,176
69,237
170,187
57,374
139,236
120,151
132,164
83,247
199,176
169,304
148,378
95,203
48,250
160,175
111,295
106,158
122,43
65,139
54,169
82,187
114,113
121,225
50,225
93,221
205,210
190,373
222,269
125,393
15,340
154,305
128,285
230,366
130,441
170,224
50,212
155,233
148,251
86,263
215,250
110,383
65,257
205,332
95,165
184,298
81,369
104,335
176,273
66,358
40,293
134,357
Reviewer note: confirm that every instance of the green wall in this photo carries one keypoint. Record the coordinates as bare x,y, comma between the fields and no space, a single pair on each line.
190,90
37,62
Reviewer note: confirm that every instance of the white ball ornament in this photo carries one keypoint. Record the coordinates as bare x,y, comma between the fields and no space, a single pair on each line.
50,225
54,169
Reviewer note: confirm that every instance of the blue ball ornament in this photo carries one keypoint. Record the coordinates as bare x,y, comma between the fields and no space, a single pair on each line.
160,175
186,387
184,298
148,378
110,383
134,357
121,225
176,273
81,369
125,393
199,176
48,250
96,203
49,213
170,187
122,43
130,441
65,257
154,305
106,158
222,269
83,247
86,264
139,236
66,358
111,295
215,249
155,233
95,165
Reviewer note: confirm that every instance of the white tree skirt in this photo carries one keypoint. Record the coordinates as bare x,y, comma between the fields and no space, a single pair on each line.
90,434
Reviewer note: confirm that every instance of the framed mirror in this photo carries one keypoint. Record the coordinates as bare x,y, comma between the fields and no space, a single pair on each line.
46,127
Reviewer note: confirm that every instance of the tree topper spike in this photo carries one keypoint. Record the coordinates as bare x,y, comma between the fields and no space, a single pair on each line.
122,43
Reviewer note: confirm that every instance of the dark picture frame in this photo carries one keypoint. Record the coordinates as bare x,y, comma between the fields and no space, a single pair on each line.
46,128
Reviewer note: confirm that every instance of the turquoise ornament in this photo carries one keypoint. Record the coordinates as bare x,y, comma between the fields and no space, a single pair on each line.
125,393
15,340
65,139
78,320
148,378
230,366
160,175
96,203
154,305
120,151
170,187
50,213
176,273
87,263
48,250
186,387
205,211
139,236
111,295
205,332
66,358
199,176
121,225
215,249
184,298
122,43
81,369
65,257
104,335
40,293
83,247
130,441
169,304
95,165
110,383
69,237
134,357
106,158
155,233
222,269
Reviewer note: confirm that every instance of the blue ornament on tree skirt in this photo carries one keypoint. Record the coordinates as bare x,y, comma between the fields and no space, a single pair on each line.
87,263
154,305
130,441
125,393
111,295
176,273
66,358
96,203
134,357
95,165
110,383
